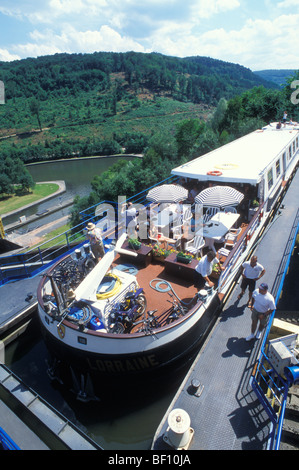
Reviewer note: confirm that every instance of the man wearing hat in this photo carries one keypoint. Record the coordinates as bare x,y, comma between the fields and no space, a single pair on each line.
263,304
94,235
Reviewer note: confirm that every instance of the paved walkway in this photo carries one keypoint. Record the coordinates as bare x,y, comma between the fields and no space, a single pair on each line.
228,415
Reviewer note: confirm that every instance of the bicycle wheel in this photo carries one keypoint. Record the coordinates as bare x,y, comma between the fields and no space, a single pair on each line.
183,309
142,303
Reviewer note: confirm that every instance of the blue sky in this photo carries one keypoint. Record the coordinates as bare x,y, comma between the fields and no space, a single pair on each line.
259,34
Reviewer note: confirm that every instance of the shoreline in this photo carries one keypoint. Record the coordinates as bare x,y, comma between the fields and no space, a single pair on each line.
61,189
127,155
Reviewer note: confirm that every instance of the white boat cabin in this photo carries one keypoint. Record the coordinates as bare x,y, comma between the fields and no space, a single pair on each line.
257,164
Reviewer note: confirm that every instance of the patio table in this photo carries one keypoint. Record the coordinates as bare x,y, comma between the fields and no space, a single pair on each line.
217,227
164,218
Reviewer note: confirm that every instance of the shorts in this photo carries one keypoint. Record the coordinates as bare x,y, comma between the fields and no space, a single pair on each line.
248,282
255,317
98,250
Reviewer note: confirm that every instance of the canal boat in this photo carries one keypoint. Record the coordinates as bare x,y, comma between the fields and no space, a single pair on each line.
130,314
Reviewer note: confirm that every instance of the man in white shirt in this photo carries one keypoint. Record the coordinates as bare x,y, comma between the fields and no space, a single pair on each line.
205,267
252,271
263,304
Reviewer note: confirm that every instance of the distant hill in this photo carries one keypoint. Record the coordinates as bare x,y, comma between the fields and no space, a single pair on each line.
198,79
56,103
279,77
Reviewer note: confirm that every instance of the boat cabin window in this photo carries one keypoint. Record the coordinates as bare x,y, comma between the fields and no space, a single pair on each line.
278,171
290,153
270,179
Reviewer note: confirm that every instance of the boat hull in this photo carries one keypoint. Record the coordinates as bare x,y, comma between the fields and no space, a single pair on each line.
132,355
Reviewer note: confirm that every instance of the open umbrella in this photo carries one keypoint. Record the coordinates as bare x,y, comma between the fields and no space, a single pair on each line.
167,193
219,196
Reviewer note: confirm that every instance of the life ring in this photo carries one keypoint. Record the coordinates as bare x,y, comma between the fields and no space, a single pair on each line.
214,173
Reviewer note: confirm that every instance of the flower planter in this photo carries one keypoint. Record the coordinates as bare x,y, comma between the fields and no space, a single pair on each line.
159,259
184,259
134,244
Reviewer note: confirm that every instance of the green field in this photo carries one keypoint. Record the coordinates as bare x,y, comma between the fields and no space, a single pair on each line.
14,202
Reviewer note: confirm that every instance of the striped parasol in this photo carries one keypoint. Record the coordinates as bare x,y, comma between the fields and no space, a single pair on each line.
219,196
167,193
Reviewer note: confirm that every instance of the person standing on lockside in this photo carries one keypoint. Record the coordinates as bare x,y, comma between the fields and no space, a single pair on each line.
263,304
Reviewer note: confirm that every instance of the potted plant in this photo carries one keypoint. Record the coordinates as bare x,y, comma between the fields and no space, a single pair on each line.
134,243
254,203
159,254
183,257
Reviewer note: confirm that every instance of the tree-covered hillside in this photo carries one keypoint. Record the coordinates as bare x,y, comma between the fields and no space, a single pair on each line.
279,77
198,79
81,104
67,105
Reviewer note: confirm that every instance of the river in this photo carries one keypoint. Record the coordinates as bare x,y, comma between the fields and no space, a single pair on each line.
77,173
117,424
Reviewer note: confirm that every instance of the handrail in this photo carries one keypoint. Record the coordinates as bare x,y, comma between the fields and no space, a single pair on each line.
239,247
132,198
6,442
260,373
30,262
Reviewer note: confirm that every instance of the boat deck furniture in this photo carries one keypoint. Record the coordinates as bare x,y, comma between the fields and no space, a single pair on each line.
226,413
231,237
195,245
144,254
174,267
217,227
165,218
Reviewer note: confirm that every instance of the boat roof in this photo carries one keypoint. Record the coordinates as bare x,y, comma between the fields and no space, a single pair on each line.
242,161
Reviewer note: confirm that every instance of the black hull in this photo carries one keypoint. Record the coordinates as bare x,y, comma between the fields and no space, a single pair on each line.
135,367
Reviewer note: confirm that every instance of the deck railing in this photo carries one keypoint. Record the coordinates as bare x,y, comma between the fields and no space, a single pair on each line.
270,387
30,262
231,263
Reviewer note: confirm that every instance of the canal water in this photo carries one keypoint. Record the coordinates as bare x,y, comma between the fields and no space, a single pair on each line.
77,173
119,421
123,421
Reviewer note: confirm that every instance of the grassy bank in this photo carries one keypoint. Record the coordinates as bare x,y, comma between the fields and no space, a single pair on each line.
14,202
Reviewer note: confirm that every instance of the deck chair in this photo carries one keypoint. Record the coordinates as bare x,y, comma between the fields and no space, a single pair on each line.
231,237
209,213
176,235
231,209
195,245
187,214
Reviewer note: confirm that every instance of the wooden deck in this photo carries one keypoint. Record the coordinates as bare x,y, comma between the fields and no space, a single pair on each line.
183,288
182,285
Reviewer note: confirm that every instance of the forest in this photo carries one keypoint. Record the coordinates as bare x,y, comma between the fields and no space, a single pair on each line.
167,108
192,138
